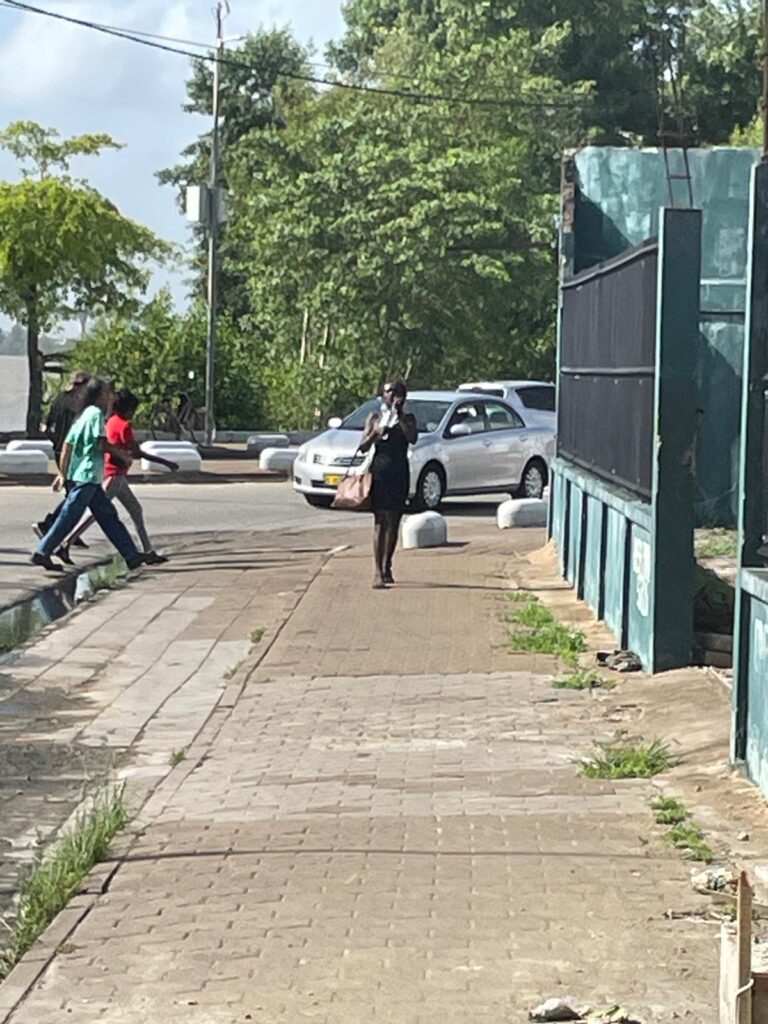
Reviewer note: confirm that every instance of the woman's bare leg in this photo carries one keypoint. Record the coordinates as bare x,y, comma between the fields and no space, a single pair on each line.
379,550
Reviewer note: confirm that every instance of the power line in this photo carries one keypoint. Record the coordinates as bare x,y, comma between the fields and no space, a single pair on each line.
153,42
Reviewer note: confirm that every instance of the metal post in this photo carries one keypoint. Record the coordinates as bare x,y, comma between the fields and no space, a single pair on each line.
213,231
764,111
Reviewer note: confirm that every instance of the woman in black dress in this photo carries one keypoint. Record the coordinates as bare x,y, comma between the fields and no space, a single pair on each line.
390,431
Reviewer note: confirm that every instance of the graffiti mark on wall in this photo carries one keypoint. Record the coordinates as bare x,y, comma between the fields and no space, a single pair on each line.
641,566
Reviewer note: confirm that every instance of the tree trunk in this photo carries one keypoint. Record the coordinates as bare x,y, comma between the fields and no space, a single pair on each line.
35,361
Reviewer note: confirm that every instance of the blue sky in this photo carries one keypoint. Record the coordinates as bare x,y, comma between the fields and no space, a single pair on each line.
76,81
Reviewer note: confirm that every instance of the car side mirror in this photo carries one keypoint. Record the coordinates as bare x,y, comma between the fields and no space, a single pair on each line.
459,430
334,422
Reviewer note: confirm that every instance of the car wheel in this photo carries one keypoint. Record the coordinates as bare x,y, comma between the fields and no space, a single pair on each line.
534,480
430,488
318,501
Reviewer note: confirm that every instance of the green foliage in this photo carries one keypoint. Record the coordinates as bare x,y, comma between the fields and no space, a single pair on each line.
58,875
690,839
534,628
668,810
154,352
583,680
255,96
258,634
620,46
624,760
716,543
683,833
372,235
63,246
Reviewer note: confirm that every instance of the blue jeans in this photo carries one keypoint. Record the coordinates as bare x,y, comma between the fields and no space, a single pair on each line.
82,497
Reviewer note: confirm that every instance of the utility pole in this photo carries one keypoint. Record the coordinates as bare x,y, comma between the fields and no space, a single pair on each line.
764,111
222,10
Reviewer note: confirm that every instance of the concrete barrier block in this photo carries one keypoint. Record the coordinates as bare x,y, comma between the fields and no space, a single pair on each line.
188,459
32,445
161,447
23,463
425,530
258,443
280,459
521,512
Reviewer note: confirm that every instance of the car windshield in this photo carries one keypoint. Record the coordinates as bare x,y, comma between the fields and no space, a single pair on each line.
429,414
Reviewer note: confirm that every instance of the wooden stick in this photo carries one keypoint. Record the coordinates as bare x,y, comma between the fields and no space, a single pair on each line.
744,938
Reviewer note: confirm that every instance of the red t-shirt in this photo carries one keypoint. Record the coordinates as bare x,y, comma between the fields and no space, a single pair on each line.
120,434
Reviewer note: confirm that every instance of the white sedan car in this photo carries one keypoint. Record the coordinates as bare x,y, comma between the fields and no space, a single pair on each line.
467,444
534,400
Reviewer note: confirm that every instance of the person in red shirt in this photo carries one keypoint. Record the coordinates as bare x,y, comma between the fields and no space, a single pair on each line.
120,434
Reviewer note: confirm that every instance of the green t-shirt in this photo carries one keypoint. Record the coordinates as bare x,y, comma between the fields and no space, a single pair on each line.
86,466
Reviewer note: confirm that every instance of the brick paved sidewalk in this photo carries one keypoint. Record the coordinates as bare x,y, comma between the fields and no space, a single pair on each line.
389,826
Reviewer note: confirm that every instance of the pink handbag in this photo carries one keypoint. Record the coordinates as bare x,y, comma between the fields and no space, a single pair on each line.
354,492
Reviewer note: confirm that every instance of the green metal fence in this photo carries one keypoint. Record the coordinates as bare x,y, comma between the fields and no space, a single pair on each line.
632,559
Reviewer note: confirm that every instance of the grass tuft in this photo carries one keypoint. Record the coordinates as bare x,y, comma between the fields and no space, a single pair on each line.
59,873
178,756
534,628
583,680
623,760
668,810
690,839
257,634
716,543
682,832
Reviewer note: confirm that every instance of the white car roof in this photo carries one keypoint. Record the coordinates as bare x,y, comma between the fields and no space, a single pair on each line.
435,396
506,384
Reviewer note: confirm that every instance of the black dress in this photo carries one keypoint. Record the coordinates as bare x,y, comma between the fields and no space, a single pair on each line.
389,468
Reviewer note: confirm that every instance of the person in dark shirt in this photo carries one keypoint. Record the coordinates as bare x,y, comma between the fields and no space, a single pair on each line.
65,408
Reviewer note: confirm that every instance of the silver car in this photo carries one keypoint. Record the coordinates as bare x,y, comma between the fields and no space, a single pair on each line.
467,444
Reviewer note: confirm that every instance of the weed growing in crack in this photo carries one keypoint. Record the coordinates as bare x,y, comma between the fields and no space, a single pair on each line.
682,833
625,760
668,810
583,680
59,873
535,629
257,635
178,756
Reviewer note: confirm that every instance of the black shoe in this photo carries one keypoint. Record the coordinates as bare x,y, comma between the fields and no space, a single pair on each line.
46,562
152,558
78,542
134,561
63,554
388,577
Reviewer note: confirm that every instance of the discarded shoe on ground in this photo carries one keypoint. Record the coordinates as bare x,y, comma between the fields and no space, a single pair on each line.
619,661
563,1010
554,1010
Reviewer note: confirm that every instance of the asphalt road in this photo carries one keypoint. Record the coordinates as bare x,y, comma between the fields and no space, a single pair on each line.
176,509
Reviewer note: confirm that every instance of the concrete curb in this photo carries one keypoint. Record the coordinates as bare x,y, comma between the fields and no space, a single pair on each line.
25,975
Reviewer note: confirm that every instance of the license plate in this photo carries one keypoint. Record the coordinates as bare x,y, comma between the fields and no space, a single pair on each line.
332,480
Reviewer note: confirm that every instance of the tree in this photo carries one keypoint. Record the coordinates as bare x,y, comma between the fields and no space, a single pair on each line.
64,247
386,235
159,352
621,46
260,79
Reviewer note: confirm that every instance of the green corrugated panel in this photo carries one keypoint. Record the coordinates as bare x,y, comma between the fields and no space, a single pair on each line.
619,195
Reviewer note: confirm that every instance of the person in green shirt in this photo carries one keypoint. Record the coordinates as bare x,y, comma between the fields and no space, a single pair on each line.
81,467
